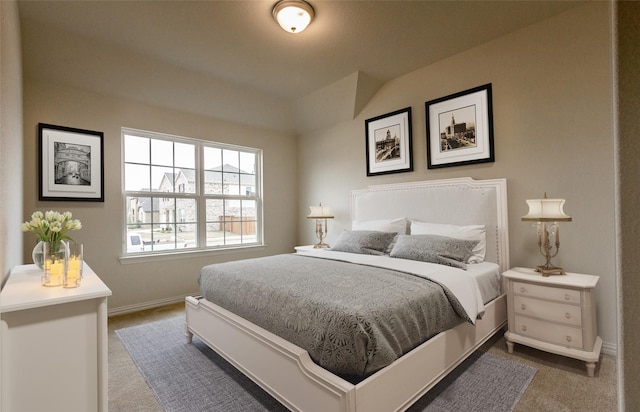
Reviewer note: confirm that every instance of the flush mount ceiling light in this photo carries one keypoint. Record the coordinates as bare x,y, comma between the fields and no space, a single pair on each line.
293,15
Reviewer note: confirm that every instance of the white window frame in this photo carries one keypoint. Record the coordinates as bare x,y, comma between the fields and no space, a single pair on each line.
200,197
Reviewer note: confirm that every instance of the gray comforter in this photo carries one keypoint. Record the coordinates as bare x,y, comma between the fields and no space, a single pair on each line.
352,319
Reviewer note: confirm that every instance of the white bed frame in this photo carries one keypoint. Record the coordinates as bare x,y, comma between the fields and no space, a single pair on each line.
287,372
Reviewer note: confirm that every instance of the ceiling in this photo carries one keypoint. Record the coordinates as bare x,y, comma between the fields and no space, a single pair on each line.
230,60
239,42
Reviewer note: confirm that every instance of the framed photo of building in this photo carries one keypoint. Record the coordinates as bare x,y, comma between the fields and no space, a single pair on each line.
71,164
388,143
460,128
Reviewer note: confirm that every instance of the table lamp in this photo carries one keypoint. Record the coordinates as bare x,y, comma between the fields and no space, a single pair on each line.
320,214
547,213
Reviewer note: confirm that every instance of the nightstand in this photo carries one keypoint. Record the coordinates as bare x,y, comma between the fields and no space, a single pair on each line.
305,248
556,314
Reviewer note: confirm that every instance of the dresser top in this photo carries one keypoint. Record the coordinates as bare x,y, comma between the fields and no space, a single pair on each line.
24,290
570,279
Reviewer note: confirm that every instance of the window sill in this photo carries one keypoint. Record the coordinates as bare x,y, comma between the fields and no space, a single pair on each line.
187,254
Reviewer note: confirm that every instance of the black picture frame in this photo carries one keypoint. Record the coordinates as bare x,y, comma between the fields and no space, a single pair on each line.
71,164
465,140
388,143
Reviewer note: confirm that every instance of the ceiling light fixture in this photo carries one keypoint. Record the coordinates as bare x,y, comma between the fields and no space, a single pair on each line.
293,15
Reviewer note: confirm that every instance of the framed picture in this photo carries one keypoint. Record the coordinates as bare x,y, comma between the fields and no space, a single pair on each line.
460,128
388,143
71,164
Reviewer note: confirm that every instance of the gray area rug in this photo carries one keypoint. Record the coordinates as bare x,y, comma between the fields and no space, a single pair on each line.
193,378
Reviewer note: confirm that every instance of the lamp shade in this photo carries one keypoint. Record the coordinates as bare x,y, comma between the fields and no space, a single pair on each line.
320,212
546,210
293,15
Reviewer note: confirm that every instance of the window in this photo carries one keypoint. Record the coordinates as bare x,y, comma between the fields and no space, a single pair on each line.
187,194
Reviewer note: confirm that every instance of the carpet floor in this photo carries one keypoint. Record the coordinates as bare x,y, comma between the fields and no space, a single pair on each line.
192,377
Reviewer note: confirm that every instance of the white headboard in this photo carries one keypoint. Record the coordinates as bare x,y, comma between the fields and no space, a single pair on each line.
461,201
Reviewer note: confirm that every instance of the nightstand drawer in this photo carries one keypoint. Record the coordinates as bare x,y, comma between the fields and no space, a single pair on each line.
555,312
546,292
549,332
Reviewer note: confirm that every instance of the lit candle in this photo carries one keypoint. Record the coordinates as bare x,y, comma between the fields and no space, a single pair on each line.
56,268
71,282
57,272
74,272
74,263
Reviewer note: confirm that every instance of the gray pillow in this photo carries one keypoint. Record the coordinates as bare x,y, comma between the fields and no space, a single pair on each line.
434,249
364,242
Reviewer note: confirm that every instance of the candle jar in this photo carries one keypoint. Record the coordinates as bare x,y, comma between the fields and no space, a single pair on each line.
55,263
73,275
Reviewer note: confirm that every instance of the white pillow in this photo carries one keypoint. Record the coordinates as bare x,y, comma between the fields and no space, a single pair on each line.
472,232
398,225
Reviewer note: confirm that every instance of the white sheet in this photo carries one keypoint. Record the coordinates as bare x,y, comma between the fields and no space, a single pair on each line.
489,279
464,284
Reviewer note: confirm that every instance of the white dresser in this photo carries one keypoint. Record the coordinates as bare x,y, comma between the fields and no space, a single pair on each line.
54,344
556,314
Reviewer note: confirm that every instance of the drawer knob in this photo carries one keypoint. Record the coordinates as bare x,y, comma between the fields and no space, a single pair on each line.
523,289
523,306
567,315
524,328
567,297
568,338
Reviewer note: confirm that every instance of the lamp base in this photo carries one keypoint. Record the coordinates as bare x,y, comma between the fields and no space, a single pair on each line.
321,245
547,270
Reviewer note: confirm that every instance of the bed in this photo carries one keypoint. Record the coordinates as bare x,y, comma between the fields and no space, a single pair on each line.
287,371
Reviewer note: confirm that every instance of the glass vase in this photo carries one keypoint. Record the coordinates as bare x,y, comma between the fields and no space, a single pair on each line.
37,255
55,263
73,275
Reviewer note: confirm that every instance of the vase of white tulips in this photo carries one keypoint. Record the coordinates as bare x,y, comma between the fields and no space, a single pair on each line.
51,229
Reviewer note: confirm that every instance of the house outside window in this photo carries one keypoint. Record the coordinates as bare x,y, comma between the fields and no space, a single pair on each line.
185,194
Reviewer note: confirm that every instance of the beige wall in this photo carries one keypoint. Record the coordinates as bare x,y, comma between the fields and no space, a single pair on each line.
149,282
552,112
10,138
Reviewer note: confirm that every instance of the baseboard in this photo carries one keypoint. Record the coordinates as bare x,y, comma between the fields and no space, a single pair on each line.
609,348
137,307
